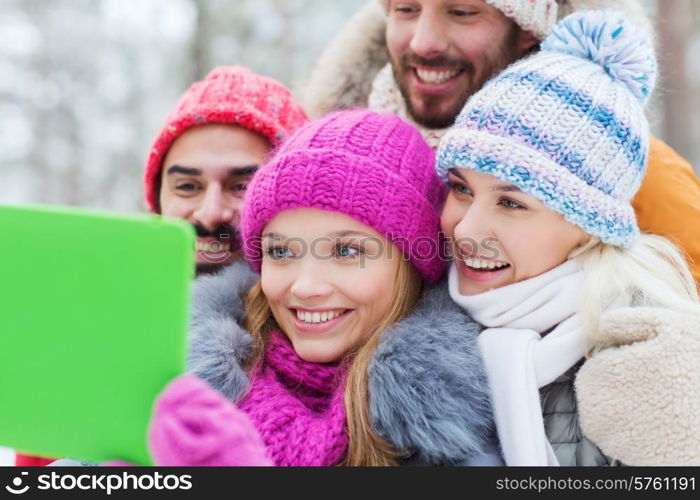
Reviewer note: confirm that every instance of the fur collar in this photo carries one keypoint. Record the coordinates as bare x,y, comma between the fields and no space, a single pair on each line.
343,75
428,389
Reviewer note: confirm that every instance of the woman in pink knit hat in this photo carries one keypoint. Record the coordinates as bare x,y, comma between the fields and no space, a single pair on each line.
339,362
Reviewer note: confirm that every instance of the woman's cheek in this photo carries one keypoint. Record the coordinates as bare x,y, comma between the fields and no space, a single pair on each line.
273,282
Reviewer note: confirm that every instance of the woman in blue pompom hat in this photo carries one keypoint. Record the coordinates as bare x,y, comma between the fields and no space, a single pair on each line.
592,330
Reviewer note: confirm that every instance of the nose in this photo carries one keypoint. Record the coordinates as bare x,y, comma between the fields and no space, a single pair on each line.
215,208
474,230
310,282
429,39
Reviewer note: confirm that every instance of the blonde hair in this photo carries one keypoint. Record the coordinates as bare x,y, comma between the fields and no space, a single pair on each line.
652,272
365,447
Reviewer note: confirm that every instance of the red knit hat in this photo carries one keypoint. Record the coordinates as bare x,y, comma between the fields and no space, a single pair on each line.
229,95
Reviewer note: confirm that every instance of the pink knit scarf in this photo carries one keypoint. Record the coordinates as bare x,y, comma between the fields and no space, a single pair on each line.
293,414
297,407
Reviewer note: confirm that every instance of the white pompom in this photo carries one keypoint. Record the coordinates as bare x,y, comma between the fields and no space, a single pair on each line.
609,39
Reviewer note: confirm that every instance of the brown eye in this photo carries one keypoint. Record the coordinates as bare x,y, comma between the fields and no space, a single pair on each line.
461,13
405,11
186,186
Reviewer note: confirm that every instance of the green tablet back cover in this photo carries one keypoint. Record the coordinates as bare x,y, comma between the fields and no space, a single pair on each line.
93,322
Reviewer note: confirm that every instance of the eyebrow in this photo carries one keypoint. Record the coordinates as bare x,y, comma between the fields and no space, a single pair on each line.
232,172
454,171
242,171
507,188
345,234
274,236
504,188
177,169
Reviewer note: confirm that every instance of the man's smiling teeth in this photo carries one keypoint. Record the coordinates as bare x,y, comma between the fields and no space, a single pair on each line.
213,246
484,264
317,317
436,76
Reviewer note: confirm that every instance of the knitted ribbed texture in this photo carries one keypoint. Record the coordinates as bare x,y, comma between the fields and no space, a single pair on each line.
372,167
228,95
535,16
297,407
194,425
292,415
567,125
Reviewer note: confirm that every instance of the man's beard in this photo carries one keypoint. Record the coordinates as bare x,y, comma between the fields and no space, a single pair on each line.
431,118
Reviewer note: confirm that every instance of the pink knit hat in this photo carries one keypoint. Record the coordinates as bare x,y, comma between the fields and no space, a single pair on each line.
229,95
372,167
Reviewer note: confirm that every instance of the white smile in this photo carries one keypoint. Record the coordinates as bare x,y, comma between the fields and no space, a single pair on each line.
485,264
436,76
318,317
213,246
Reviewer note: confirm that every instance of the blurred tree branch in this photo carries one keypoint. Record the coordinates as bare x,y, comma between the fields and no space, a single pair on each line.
675,27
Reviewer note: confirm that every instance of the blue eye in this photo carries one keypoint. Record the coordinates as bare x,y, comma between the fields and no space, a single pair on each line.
278,253
459,188
511,205
347,251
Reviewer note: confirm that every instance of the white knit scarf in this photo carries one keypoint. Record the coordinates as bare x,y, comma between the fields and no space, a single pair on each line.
519,360
386,97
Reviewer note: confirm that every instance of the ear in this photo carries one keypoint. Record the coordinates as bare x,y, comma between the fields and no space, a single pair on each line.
526,42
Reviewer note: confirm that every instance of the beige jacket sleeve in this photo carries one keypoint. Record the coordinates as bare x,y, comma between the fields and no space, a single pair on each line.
639,398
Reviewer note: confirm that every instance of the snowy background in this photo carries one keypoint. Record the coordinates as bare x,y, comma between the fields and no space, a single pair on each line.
7,457
86,84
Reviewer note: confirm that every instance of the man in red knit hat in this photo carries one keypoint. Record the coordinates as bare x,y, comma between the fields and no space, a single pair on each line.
221,129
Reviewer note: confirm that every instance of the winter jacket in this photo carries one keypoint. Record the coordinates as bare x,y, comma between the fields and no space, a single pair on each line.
428,391
562,426
668,202
637,401
22,460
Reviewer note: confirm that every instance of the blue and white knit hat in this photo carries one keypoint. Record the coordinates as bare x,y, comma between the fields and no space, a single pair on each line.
567,124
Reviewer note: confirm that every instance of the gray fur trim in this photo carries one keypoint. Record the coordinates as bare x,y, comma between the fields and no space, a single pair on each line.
428,390
218,344
343,75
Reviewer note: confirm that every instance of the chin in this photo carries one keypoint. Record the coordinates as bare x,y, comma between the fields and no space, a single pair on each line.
427,116
206,264
317,354
207,268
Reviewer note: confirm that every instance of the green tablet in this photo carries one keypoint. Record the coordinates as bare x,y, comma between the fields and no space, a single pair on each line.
93,323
